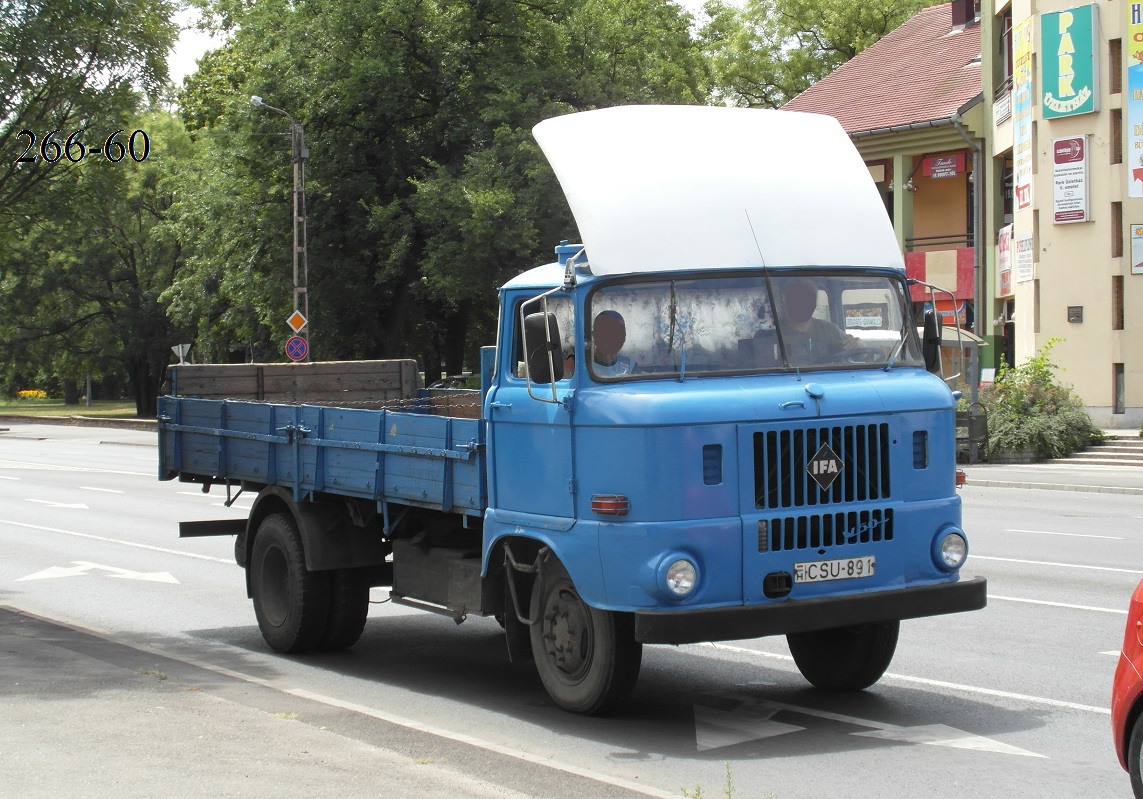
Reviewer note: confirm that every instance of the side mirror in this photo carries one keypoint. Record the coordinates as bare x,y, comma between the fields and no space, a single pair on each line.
542,348
931,342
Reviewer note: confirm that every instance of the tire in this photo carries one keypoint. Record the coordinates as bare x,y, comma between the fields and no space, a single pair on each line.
290,602
348,609
588,659
1135,757
845,658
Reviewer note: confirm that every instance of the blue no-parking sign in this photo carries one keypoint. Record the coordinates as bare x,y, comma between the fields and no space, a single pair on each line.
297,348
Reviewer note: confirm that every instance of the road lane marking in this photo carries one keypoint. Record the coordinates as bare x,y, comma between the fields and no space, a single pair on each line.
1117,611
1061,565
51,503
119,541
967,689
1071,535
51,467
104,490
5,477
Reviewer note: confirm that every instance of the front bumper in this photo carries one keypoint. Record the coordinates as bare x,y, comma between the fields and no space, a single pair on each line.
805,615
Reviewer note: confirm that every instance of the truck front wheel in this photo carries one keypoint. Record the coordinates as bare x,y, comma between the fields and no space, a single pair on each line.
290,602
588,659
845,658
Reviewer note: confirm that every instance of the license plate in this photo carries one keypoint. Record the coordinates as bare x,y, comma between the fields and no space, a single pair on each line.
820,571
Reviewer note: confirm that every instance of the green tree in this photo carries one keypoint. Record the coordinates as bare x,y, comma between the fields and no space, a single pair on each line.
768,51
82,289
68,65
425,188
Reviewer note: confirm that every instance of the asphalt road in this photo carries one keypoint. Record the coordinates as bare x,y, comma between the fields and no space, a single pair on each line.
1010,701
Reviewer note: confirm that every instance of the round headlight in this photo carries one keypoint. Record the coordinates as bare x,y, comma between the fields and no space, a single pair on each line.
681,577
952,552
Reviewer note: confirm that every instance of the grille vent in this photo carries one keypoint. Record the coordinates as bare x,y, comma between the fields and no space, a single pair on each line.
781,456
826,530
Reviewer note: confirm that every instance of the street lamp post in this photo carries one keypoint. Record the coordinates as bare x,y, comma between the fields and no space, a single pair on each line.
300,154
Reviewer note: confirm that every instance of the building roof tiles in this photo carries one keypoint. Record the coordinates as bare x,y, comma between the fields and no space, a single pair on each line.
924,70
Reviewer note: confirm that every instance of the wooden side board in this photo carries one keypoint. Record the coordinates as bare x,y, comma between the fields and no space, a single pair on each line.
337,383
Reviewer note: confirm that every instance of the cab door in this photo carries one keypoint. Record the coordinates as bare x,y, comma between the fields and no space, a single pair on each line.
529,430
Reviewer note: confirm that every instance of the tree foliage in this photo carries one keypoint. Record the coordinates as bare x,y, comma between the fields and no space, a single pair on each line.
768,51
70,65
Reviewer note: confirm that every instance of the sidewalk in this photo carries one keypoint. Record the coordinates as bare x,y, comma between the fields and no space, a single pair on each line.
83,715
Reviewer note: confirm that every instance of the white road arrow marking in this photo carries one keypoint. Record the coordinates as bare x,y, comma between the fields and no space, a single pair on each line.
716,728
52,504
82,567
942,735
756,714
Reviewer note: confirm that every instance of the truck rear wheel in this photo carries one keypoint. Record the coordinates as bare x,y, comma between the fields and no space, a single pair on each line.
290,602
845,658
348,609
588,659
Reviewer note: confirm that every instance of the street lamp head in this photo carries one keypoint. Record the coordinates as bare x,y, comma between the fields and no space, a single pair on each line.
256,100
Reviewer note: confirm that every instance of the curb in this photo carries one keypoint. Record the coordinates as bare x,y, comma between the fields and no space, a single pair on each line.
1055,487
84,421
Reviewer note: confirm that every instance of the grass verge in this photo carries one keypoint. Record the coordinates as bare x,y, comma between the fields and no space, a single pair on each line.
100,409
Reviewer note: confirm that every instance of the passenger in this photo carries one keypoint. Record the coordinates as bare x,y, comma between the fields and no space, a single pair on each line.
608,335
808,340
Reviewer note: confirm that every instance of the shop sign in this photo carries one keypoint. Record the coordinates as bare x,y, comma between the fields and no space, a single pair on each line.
1070,180
1004,262
1070,58
1025,265
1137,249
943,166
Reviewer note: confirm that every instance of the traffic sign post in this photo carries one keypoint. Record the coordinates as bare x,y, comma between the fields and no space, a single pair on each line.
297,349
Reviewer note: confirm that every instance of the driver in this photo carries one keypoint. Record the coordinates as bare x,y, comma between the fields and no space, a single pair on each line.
808,339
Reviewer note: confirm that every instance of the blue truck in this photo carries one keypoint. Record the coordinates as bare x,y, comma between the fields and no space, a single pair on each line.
711,420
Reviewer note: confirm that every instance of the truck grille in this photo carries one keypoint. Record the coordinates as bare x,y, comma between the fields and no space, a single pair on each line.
825,530
781,457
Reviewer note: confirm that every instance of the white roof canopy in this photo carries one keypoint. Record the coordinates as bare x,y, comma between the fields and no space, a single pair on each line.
665,188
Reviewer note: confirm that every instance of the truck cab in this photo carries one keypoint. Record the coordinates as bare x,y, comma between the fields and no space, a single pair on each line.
708,443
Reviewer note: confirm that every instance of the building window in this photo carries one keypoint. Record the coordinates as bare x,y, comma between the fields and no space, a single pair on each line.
1116,139
1118,389
1006,178
1115,66
1117,302
1117,230
1036,306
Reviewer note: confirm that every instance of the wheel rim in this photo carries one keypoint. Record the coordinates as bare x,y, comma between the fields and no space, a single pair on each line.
274,591
569,634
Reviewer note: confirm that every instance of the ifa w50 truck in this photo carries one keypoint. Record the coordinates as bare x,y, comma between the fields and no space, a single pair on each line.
710,421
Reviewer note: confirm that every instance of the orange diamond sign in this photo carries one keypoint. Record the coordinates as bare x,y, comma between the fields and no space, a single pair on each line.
296,321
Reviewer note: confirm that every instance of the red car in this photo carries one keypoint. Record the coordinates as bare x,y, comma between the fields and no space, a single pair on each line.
1127,696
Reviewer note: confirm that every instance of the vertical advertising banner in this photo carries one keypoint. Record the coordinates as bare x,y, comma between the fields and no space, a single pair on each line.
1069,180
1069,61
1133,158
1004,262
1022,113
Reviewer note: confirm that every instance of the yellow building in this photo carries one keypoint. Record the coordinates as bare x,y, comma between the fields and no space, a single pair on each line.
1046,113
1062,145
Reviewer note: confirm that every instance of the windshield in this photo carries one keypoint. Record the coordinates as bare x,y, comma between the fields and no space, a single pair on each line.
728,325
